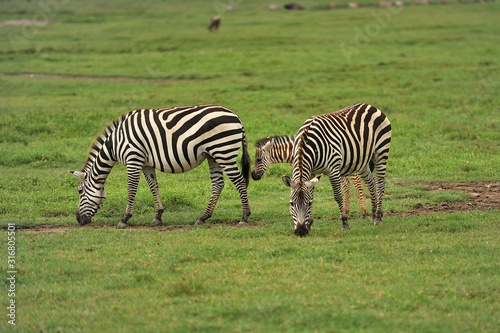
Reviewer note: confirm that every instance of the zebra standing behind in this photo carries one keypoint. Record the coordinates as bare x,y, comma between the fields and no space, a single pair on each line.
350,141
171,140
279,149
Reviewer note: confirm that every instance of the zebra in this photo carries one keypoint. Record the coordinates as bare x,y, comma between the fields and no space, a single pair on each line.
171,140
278,149
354,140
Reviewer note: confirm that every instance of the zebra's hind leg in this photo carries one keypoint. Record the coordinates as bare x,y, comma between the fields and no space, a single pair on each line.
239,181
380,168
372,187
150,175
217,180
347,195
361,198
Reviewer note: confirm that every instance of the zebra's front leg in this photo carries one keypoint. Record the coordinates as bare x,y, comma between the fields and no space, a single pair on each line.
150,175
217,181
335,181
133,175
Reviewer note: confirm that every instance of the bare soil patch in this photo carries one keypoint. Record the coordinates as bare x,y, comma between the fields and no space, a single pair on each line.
102,78
483,196
22,22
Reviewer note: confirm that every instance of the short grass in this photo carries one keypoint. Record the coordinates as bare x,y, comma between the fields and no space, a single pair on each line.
424,273
433,70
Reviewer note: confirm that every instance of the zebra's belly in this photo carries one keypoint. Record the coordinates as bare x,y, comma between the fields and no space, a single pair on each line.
344,170
175,165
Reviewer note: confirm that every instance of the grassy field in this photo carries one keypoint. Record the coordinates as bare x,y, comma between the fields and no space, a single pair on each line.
68,68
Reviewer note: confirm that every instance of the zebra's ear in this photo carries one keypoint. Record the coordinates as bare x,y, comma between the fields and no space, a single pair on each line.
267,145
78,174
311,183
287,181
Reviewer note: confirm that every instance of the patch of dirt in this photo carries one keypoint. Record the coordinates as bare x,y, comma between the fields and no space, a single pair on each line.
47,228
86,77
483,196
103,78
22,22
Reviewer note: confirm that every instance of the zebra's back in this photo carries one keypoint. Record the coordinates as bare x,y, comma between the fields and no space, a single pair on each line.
346,139
178,139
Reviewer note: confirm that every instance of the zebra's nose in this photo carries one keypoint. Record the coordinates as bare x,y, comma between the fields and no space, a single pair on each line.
256,176
301,230
82,219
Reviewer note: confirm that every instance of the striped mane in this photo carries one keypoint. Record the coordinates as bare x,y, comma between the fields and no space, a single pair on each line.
276,139
299,150
99,140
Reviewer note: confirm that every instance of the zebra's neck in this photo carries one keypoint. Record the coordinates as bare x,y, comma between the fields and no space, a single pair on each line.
282,149
302,161
100,159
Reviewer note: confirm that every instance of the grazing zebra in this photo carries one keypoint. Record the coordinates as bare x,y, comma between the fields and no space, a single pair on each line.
278,149
170,140
354,140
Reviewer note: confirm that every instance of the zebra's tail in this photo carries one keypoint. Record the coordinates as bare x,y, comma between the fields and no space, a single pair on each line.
245,160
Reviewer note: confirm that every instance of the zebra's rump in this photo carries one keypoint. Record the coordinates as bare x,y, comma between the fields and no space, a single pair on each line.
178,139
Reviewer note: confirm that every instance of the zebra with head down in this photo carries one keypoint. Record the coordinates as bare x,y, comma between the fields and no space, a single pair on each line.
171,140
279,149
354,140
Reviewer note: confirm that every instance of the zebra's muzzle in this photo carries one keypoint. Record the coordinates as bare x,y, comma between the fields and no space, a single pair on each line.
256,176
83,219
301,230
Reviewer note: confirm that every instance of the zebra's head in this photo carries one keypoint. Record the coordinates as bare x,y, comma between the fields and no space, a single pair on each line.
301,198
262,158
92,196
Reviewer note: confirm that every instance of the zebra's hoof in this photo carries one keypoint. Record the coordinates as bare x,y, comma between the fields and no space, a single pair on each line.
198,222
377,222
345,227
155,223
121,225
363,217
241,224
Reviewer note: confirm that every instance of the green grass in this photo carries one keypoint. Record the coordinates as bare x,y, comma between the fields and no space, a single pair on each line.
433,70
412,274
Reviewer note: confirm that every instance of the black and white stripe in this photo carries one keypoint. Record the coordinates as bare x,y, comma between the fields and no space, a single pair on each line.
171,140
279,149
354,140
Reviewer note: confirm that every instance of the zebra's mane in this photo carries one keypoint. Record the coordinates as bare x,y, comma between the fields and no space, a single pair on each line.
277,138
99,141
301,142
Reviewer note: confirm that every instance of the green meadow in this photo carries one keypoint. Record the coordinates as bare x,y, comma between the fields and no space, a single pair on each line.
69,68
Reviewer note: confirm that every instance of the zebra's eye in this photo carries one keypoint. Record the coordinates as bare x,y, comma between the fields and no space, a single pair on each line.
258,159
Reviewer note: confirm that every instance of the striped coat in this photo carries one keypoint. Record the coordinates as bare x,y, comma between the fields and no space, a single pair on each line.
354,140
279,149
170,140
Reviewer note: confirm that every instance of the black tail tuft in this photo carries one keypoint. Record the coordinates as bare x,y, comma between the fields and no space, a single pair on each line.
245,161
